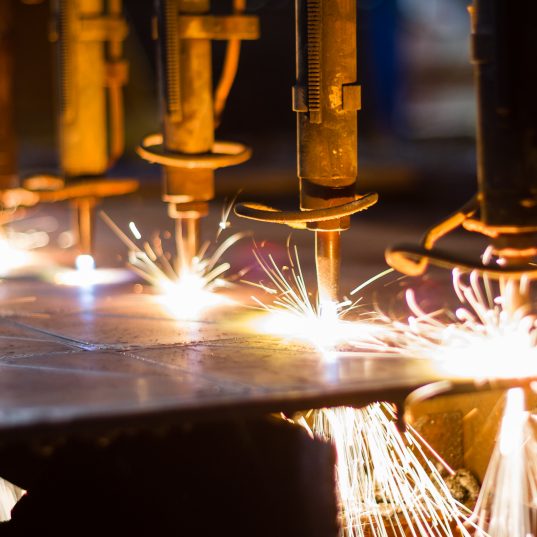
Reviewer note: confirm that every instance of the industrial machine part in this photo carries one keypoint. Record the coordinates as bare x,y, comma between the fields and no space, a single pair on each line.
186,148
505,209
460,420
11,195
91,72
7,137
326,98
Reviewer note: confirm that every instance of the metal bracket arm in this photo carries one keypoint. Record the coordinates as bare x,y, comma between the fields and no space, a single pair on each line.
300,219
218,27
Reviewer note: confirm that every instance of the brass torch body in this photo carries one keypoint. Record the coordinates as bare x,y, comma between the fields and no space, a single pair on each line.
84,61
326,98
327,264
84,224
503,52
8,176
185,81
82,91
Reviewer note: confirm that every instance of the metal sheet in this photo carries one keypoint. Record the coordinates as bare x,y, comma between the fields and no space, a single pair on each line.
108,357
77,366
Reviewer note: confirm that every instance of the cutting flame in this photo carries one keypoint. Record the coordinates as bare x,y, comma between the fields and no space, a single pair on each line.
16,248
482,340
507,503
294,313
189,289
11,257
388,482
86,276
85,264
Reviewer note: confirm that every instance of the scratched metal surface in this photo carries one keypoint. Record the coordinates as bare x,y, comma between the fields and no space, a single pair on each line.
75,358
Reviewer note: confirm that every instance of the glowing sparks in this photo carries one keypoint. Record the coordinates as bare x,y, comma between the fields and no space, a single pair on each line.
292,311
387,485
482,340
224,217
512,427
9,495
186,290
134,231
507,504
190,294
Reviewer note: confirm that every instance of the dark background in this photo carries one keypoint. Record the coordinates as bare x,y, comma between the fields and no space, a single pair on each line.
416,125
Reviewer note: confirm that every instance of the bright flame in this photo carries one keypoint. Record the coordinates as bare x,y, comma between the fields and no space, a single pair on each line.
388,482
86,275
11,258
190,290
324,328
190,295
85,264
507,504
293,313
483,340
16,248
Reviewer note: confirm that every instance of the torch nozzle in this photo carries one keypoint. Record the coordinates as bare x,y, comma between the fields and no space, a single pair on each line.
84,224
327,261
187,239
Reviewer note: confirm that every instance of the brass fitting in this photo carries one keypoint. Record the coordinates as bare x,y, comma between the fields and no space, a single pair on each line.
8,175
326,98
186,149
89,37
503,49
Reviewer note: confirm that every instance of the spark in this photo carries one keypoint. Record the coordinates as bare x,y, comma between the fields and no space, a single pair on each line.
507,503
481,340
189,289
9,495
134,231
388,482
224,217
293,312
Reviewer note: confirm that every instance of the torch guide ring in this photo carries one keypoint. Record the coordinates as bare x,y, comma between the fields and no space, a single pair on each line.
51,188
413,260
223,154
300,219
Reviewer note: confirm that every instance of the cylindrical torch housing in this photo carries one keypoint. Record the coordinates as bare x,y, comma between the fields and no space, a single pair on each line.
504,54
326,98
186,97
8,174
81,64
